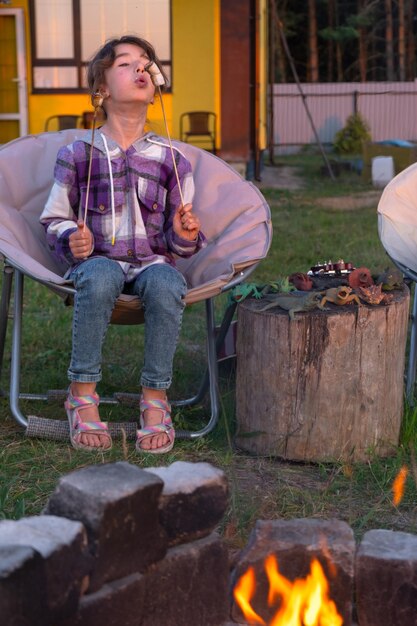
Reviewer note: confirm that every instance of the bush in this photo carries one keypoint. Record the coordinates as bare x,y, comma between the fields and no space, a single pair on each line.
350,139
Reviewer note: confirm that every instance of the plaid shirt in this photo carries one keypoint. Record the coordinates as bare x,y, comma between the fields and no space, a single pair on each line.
145,193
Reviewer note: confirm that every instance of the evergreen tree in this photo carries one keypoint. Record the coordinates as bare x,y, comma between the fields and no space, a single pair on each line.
347,40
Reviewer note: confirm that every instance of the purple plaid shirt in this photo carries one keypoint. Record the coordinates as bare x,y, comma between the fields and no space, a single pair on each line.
143,190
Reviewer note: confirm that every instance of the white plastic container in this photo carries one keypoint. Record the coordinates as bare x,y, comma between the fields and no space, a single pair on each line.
382,170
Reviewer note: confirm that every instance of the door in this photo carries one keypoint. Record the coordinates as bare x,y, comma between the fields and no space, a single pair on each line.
13,84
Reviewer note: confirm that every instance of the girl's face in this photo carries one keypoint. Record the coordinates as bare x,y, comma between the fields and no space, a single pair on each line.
126,81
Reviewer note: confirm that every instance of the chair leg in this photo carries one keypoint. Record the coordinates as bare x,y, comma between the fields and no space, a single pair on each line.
211,376
16,351
205,381
6,291
411,372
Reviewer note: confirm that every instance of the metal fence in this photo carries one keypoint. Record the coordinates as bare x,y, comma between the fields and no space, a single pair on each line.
390,110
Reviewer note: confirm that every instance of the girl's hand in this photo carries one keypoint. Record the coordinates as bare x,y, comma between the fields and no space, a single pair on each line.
186,225
81,241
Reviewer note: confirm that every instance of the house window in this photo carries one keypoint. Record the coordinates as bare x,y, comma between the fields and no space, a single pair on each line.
66,33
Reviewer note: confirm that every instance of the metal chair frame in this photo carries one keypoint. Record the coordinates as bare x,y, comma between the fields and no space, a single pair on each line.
412,355
214,343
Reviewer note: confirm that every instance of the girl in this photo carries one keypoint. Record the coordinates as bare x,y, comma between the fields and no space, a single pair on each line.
136,224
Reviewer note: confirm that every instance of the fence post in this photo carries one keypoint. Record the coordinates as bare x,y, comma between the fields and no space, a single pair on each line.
355,102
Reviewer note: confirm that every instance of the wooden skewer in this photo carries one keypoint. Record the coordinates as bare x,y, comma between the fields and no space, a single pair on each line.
158,80
170,145
97,103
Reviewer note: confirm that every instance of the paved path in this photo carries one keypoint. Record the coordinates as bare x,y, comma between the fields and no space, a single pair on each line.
280,177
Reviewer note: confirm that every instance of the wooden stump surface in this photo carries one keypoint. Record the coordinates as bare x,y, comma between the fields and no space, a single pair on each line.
326,386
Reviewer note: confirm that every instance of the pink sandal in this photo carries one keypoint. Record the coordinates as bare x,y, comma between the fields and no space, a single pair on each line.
73,405
165,427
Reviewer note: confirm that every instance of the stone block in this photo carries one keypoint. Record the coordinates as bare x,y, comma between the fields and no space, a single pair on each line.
190,587
119,603
194,500
62,546
295,543
118,505
22,603
386,579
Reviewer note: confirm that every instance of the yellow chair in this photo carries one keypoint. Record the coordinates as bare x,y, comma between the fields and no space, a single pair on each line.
62,122
199,127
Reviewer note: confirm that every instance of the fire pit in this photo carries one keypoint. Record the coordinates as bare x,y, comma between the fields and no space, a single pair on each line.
304,601
297,572
120,545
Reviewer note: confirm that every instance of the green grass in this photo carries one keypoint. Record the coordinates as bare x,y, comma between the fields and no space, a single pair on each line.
305,231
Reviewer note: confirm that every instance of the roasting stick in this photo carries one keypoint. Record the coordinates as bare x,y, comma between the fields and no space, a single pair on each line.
97,102
158,80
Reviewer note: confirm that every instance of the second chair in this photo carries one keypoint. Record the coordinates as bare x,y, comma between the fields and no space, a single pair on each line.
62,122
199,127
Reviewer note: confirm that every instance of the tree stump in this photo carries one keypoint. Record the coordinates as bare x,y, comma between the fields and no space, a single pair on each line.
326,386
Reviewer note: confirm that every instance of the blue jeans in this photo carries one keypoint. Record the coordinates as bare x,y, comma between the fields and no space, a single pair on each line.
99,282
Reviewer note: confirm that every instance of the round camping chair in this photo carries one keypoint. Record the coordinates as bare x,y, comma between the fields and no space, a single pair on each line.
397,226
234,217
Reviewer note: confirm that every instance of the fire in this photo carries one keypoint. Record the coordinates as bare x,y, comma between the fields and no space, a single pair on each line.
398,485
304,602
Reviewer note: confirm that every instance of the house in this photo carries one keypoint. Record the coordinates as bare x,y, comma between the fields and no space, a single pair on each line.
215,52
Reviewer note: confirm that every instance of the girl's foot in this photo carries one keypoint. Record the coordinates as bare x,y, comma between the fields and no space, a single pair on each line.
156,434
87,432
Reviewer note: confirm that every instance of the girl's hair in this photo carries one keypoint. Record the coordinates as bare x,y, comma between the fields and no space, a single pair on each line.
104,58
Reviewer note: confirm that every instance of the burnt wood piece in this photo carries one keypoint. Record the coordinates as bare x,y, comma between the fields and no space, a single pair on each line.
324,281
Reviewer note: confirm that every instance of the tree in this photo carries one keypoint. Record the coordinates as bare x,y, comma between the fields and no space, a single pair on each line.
411,49
279,61
331,12
389,39
341,35
350,138
313,57
354,40
362,43
401,39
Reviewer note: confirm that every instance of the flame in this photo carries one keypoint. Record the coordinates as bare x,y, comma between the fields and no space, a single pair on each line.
398,485
326,553
243,593
304,602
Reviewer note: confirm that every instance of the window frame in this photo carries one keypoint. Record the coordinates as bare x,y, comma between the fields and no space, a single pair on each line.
76,60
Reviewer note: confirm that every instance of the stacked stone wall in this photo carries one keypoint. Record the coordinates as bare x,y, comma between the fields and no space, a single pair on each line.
122,546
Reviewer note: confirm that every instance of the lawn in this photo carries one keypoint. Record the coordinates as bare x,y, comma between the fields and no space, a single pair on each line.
323,220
